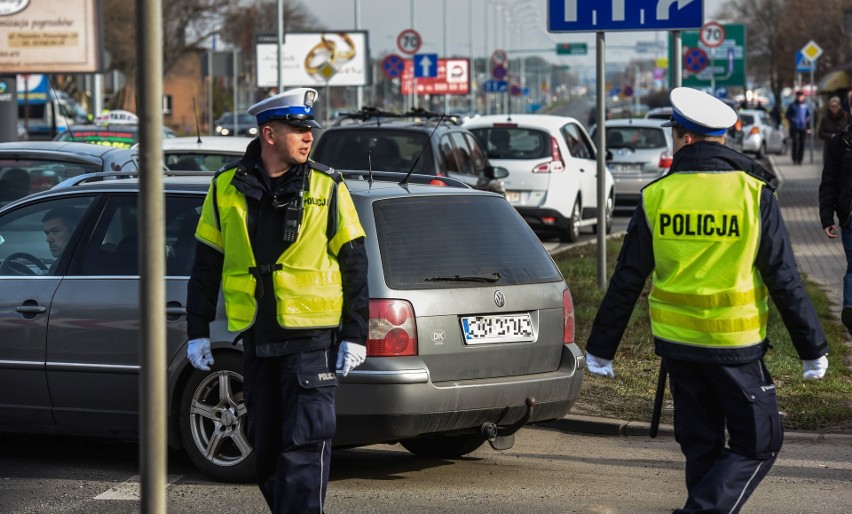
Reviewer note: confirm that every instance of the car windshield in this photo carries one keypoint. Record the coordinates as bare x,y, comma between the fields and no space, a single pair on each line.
19,178
514,142
246,119
198,161
637,138
468,241
379,150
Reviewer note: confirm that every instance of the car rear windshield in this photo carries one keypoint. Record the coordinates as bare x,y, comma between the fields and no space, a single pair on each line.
637,138
21,177
441,241
514,142
748,119
379,150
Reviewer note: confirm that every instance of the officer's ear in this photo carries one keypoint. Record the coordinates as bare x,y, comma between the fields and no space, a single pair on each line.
267,133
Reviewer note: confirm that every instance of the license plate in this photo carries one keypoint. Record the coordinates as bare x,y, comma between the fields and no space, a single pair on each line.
513,196
501,328
625,168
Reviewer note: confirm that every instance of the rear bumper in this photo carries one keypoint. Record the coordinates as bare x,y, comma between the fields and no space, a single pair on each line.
535,218
384,407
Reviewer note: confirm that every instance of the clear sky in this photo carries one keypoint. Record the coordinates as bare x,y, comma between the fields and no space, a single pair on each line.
525,32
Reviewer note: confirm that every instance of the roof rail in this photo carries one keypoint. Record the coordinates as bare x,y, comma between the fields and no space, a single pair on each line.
101,175
418,114
396,176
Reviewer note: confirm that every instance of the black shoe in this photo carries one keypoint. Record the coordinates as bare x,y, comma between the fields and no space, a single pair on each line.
846,318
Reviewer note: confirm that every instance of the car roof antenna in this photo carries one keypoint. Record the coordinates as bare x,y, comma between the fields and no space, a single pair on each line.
370,167
197,124
404,182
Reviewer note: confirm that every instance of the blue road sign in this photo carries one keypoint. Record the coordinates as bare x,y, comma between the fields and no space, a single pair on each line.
425,65
393,66
608,15
803,64
496,86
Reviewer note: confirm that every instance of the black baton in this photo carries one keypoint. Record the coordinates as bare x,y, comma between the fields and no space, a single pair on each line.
658,400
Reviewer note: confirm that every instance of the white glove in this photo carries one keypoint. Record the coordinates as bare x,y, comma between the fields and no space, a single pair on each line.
815,369
350,356
198,353
599,366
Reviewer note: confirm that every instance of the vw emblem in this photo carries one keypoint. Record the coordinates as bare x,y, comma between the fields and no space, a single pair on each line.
438,336
499,298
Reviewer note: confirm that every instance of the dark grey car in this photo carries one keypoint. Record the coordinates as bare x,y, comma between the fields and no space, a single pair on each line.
471,329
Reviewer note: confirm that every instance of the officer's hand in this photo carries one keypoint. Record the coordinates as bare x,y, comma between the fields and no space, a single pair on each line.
599,366
815,369
198,353
831,231
350,356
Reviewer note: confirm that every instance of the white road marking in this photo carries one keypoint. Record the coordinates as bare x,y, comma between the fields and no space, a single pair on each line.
129,489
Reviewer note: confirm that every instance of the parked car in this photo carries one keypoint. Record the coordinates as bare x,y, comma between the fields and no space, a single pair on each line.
121,135
471,330
236,124
202,153
552,167
31,166
659,113
761,134
418,141
642,151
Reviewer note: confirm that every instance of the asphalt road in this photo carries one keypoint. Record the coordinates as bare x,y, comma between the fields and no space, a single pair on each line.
548,471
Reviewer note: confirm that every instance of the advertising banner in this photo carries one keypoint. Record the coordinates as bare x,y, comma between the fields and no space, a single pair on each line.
50,36
314,59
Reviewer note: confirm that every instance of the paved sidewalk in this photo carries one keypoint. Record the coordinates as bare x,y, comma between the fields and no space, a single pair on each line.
819,258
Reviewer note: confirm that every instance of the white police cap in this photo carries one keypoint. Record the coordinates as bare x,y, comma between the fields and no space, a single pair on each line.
699,112
294,107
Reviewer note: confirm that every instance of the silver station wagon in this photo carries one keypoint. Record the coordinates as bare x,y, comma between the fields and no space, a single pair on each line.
471,331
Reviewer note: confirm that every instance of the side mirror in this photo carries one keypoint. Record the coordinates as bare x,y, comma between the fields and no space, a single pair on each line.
495,172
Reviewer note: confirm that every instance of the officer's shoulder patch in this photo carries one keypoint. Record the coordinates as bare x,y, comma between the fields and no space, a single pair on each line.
328,170
226,167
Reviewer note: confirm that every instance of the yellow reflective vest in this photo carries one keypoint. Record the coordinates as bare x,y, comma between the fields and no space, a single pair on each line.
705,229
307,282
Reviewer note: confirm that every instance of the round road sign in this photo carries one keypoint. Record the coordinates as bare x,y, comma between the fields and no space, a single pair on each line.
499,57
409,41
498,72
392,66
712,34
695,60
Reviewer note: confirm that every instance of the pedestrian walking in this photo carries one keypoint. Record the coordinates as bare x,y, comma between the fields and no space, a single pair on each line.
832,123
799,116
710,235
835,202
280,233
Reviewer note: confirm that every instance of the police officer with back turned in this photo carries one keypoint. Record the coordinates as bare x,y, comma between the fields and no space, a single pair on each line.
711,236
281,235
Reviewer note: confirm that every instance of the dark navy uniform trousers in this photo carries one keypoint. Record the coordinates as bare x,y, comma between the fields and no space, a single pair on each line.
708,398
291,422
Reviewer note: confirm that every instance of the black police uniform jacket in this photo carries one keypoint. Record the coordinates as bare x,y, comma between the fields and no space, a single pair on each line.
835,188
774,261
266,338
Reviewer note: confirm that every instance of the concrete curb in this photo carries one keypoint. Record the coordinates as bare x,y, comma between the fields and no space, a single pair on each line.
580,424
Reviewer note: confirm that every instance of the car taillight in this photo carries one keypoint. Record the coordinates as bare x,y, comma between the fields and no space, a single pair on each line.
436,182
567,317
556,163
392,332
753,131
665,160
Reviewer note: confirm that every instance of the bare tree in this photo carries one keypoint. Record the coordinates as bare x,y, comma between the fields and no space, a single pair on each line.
244,22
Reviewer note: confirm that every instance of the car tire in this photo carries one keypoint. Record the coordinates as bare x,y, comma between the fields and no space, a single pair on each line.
571,231
761,151
211,416
610,207
443,447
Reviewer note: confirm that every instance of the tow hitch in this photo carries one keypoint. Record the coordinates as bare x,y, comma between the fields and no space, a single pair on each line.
502,437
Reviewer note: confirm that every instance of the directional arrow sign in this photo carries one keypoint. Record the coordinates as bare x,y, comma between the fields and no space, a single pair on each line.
607,15
425,65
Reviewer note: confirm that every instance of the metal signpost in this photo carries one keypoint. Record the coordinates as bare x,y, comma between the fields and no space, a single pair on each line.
619,15
812,51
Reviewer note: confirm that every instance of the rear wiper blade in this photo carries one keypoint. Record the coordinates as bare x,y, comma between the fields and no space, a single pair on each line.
493,277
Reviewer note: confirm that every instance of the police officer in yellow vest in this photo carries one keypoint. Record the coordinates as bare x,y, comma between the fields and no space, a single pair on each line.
710,235
281,235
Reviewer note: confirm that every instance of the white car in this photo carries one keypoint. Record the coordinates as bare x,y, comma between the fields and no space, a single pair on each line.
761,135
202,153
552,167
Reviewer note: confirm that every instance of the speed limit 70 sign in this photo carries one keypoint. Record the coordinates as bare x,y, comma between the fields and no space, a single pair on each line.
712,34
409,41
